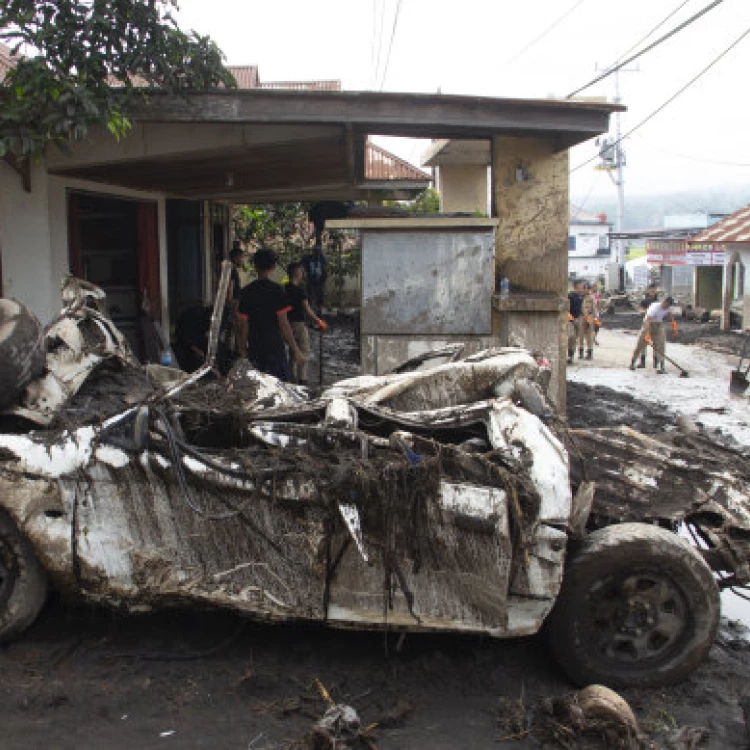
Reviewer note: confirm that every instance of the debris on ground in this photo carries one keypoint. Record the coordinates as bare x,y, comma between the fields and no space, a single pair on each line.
435,499
594,718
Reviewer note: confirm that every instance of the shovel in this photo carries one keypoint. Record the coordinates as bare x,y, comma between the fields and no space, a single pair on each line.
738,383
683,372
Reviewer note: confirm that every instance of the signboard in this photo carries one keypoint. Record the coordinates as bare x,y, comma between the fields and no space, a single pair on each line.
666,252
684,253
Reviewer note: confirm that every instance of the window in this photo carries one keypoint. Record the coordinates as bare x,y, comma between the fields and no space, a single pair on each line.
571,242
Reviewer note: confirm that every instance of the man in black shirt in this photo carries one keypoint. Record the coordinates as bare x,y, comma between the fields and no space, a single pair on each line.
264,327
575,309
316,273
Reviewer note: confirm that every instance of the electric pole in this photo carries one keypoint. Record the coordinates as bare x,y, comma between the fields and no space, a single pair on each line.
613,161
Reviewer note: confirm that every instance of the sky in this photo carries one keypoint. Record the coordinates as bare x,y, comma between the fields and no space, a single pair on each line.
527,49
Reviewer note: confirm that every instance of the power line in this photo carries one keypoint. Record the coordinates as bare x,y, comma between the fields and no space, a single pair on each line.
651,46
541,36
699,159
379,43
653,31
674,96
390,44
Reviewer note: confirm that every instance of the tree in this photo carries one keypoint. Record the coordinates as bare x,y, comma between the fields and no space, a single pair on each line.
286,229
90,60
427,202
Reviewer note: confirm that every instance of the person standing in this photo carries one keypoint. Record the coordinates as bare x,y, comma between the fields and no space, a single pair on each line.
651,296
575,308
597,309
298,316
315,264
653,333
264,326
586,324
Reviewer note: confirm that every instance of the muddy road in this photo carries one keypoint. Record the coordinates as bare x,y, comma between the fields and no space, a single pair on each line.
83,677
86,678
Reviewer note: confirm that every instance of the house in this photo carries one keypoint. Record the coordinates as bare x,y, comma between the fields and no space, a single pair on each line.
589,251
149,214
728,242
682,269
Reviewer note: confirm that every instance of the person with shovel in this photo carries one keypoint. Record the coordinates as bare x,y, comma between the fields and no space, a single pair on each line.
652,333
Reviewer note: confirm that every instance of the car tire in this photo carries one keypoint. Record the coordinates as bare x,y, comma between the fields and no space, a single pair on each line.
23,583
21,350
638,606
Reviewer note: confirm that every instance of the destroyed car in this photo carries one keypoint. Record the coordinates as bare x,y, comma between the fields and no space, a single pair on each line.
443,498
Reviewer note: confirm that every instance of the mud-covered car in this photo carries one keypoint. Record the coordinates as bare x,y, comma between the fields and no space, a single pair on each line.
443,497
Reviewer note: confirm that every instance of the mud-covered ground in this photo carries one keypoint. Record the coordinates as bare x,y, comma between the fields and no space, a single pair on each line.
86,678
83,677
706,335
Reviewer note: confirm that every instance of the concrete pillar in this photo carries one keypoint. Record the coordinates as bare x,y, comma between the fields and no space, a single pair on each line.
463,188
530,199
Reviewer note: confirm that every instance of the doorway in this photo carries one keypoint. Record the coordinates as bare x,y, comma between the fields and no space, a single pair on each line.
113,243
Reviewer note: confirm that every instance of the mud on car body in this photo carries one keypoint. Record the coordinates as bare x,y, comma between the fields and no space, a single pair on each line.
429,499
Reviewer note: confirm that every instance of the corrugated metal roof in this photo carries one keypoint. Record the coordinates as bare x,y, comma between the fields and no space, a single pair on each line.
302,85
245,75
383,165
735,228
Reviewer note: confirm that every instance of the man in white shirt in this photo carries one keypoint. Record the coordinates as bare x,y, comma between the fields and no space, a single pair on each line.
653,333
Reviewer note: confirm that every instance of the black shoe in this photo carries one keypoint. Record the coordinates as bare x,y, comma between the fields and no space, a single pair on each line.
661,371
641,365
632,365
589,354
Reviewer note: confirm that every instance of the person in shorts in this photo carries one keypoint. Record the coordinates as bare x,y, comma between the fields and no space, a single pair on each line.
298,316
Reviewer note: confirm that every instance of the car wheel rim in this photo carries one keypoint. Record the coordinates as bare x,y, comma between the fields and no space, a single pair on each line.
637,618
8,572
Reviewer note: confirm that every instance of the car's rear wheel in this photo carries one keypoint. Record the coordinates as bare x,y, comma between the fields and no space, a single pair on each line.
23,584
638,606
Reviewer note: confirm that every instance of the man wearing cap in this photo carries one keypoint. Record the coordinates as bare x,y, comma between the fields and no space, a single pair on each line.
264,327
652,333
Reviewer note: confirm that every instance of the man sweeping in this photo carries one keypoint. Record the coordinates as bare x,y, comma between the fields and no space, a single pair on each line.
653,333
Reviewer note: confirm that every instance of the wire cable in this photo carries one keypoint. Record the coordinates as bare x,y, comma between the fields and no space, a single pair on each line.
653,31
674,96
390,45
379,44
651,46
541,36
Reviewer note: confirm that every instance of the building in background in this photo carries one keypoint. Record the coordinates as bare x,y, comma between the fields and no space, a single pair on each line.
589,248
728,241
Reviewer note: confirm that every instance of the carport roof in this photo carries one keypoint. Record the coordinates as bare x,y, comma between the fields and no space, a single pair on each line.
383,113
287,145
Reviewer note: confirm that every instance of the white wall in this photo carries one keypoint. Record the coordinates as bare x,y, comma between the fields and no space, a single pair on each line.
588,239
25,242
588,268
34,236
